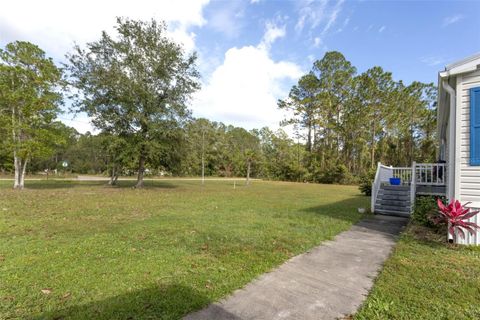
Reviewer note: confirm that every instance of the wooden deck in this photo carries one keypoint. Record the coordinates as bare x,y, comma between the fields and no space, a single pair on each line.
431,190
418,179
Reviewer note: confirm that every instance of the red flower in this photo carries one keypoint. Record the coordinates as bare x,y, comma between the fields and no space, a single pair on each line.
455,214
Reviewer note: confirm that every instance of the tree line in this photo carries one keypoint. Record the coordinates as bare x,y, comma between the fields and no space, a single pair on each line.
136,88
220,150
352,120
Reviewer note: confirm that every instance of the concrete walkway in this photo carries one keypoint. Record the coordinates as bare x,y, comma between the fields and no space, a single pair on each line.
329,282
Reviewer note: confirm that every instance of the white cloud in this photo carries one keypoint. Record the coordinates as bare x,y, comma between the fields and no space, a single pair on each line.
227,19
433,60
272,33
183,36
80,122
244,90
345,24
452,19
55,25
381,29
321,14
318,13
333,16
312,13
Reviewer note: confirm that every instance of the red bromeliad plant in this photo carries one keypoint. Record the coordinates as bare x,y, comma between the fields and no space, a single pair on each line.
455,215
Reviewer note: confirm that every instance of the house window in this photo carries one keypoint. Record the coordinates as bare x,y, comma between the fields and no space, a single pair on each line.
475,126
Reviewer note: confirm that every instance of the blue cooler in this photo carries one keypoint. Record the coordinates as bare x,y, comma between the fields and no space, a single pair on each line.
395,181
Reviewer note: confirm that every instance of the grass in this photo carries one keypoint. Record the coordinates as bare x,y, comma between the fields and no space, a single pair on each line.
426,279
71,250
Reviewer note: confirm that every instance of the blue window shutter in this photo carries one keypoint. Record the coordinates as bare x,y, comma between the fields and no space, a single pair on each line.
475,126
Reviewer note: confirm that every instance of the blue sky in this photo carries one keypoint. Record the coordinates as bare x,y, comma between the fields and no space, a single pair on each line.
252,52
413,39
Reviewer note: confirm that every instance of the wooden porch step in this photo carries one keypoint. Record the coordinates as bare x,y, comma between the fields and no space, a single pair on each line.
405,209
395,188
392,213
394,193
397,197
394,202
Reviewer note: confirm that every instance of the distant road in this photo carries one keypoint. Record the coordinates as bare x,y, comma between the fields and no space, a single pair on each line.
97,178
100,178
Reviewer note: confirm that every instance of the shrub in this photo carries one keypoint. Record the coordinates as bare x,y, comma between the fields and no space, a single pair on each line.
334,173
425,210
366,181
338,173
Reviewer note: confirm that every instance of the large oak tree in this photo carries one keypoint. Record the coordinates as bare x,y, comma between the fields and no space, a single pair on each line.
136,84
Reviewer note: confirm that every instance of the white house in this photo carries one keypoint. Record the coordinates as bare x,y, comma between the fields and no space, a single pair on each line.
457,173
458,123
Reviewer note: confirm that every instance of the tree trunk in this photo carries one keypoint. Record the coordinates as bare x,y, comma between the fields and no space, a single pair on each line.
20,170
248,172
22,176
16,162
141,169
314,138
113,177
337,124
309,137
372,161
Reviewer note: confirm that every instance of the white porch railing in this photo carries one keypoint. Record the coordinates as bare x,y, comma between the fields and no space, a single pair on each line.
431,174
404,173
419,174
383,174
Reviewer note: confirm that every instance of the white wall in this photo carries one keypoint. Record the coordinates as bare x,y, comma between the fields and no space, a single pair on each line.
447,159
467,178
471,239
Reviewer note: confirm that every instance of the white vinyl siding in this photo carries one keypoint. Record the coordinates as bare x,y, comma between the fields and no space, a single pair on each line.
469,176
447,159
467,180
471,239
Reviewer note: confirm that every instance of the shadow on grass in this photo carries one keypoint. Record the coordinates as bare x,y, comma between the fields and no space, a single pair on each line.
161,302
148,184
60,184
68,184
347,210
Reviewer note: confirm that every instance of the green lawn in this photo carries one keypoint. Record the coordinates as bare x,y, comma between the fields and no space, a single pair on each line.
426,279
71,250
